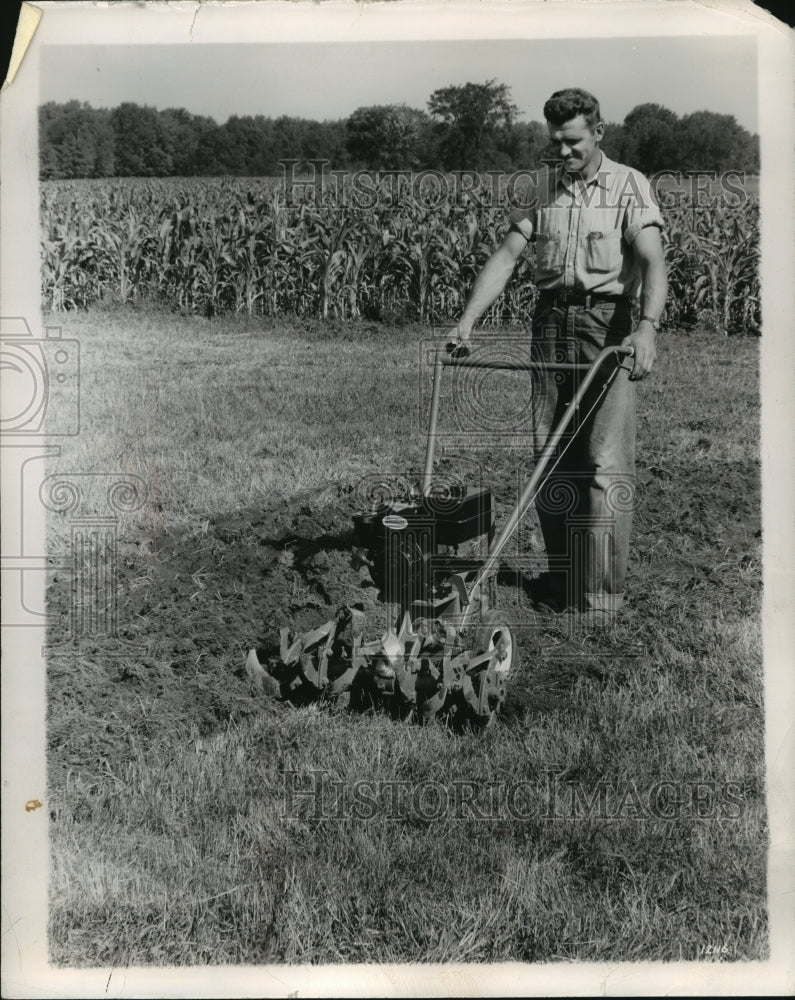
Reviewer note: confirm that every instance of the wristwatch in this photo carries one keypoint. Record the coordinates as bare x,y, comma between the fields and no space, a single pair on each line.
655,323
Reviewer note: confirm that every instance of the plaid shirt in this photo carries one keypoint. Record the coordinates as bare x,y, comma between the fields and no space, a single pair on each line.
584,233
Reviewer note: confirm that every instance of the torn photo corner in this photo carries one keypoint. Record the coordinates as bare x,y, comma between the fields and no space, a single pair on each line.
235,238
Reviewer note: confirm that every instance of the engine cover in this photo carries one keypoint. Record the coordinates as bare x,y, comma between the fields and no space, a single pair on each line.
401,539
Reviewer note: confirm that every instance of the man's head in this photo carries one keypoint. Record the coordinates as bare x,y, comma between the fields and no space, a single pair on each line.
575,129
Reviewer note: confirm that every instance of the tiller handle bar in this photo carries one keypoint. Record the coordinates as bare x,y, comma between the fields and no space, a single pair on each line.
446,360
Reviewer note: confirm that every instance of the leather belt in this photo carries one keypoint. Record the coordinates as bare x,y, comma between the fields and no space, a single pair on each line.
562,300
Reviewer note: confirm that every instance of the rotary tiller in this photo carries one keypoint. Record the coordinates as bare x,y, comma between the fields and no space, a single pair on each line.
451,650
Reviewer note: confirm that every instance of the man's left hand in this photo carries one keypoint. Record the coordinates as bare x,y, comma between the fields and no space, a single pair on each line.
643,340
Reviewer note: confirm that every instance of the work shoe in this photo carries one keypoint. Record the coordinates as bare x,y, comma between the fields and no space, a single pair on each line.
592,620
547,593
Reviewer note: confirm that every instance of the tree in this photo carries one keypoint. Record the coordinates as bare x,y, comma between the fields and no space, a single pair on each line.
76,140
475,122
48,151
613,141
650,138
211,152
180,134
104,144
470,127
381,137
710,141
246,145
333,135
139,145
529,141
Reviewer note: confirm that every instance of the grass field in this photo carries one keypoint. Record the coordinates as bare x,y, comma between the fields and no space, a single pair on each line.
173,836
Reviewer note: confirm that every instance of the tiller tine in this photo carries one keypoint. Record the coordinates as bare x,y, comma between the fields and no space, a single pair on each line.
407,668
319,659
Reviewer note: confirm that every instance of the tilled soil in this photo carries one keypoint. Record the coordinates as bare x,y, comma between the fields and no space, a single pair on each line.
189,604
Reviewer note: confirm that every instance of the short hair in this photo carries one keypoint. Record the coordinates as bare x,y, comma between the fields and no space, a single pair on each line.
567,104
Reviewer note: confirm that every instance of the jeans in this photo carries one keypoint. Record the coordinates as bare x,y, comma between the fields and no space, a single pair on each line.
585,507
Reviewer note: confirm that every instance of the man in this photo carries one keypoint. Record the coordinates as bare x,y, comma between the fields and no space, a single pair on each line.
597,232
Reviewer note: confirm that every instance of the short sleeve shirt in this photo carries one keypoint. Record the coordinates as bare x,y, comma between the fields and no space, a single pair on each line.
583,233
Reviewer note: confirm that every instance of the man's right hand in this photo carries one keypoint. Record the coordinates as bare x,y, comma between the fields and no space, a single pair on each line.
458,334
456,341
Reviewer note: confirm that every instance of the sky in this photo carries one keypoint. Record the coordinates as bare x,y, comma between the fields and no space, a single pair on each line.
330,80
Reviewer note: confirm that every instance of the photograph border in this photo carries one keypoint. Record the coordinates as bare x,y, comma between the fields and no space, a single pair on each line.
24,835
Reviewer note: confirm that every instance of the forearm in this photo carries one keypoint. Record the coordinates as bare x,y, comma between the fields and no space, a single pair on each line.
488,286
655,288
654,291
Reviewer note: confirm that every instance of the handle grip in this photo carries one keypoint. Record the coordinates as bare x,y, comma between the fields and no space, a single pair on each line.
457,349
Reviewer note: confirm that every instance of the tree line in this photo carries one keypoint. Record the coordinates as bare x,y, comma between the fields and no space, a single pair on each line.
467,127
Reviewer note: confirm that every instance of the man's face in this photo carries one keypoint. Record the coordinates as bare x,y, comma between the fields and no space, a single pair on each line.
576,145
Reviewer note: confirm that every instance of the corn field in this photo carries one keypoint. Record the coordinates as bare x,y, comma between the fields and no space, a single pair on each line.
211,246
